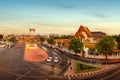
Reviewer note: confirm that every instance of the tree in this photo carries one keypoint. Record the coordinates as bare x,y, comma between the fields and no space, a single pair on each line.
118,41
12,39
106,46
76,45
42,39
1,36
51,41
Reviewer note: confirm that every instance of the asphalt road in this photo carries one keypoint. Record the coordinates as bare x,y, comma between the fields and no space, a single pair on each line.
63,60
110,75
14,67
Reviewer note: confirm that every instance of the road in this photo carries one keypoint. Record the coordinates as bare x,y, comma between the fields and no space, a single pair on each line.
63,60
110,75
14,67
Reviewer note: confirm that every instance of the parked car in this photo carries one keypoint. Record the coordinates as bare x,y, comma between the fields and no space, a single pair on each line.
49,59
2,46
56,59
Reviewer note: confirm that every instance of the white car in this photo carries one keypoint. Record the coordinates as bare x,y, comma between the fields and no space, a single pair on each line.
56,59
2,46
49,59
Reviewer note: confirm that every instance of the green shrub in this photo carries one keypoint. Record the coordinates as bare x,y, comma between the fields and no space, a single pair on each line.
85,68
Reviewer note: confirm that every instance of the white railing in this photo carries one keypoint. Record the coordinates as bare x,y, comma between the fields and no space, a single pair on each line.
103,57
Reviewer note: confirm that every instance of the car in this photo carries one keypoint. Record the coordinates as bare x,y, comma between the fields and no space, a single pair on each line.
49,59
2,46
56,59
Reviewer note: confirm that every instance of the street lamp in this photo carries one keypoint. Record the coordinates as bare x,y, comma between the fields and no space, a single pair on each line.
69,63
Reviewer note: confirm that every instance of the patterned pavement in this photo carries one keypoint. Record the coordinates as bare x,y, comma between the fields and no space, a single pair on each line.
34,54
71,70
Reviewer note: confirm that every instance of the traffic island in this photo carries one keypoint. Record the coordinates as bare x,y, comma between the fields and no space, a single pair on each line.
80,67
82,70
34,54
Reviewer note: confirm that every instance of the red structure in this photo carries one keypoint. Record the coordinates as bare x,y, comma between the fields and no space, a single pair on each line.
32,31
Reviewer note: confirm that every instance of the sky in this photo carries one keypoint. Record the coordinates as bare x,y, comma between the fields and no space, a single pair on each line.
59,16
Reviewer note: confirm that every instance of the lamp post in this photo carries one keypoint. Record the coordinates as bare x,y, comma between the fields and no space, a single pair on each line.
69,63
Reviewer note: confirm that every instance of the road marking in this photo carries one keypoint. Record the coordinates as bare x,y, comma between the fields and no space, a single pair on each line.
37,77
110,75
2,69
24,74
12,73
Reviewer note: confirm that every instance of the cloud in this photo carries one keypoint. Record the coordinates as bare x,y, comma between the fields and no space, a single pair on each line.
68,7
45,24
99,15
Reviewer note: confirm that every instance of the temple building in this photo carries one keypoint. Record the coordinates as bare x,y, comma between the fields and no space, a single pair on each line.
85,34
98,35
88,38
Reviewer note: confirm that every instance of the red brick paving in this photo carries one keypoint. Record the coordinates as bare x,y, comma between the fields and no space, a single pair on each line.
34,53
71,70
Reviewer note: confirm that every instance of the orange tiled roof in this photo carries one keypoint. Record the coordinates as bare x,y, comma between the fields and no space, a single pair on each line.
98,34
85,29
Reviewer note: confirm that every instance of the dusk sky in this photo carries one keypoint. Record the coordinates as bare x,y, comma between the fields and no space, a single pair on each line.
59,16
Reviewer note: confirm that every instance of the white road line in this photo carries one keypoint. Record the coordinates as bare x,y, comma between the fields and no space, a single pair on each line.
24,74
2,69
110,75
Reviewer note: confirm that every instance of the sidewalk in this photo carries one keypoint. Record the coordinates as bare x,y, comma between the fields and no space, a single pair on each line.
71,70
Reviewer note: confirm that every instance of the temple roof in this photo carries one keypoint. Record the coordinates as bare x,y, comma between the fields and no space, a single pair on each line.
83,29
98,34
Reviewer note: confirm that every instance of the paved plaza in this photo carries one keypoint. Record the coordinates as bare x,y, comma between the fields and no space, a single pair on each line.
34,54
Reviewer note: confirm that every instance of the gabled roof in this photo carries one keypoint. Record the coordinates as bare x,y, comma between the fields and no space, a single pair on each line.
98,34
83,29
